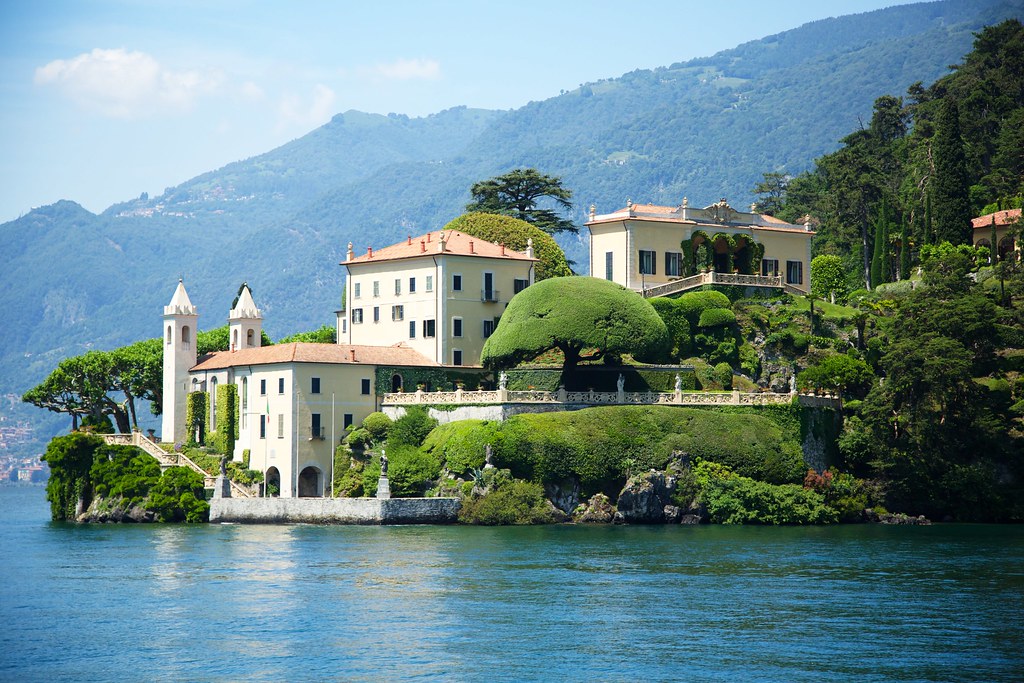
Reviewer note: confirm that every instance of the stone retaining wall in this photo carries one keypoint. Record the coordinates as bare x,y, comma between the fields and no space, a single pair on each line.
334,510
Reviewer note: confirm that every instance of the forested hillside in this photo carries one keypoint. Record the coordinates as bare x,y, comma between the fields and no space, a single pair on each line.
71,280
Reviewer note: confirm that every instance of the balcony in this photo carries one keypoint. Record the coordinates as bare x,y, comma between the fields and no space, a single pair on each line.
315,435
489,295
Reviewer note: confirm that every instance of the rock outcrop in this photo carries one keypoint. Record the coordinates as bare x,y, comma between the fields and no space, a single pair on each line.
598,510
645,497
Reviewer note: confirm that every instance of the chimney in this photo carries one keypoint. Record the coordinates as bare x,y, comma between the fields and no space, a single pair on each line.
471,251
428,236
423,246
408,239
352,353
369,252
502,249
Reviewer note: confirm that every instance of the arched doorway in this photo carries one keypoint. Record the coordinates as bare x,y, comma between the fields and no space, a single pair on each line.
273,483
1006,247
309,483
396,383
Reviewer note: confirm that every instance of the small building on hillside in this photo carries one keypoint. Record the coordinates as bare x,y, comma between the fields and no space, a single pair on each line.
440,293
642,245
1005,224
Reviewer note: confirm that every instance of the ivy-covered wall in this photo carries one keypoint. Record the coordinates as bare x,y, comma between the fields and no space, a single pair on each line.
603,379
223,438
196,416
433,379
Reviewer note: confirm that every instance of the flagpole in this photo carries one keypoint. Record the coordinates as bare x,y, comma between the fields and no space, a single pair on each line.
332,444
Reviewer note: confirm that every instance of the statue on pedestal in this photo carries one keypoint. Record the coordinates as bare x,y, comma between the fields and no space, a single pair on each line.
679,382
621,384
502,380
383,463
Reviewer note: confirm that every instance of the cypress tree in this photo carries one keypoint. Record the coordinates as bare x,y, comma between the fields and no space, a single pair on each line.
904,251
994,251
927,219
952,200
876,258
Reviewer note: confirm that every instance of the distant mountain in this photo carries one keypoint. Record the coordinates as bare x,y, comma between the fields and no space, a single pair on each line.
707,128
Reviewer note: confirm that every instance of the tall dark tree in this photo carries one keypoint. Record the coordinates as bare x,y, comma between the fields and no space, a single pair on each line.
950,184
771,193
904,251
517,194
881,238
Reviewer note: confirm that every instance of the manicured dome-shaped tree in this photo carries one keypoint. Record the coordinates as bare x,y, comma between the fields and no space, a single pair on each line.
575,315
513,233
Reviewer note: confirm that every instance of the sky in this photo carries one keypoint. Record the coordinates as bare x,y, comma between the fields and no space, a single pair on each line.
105,99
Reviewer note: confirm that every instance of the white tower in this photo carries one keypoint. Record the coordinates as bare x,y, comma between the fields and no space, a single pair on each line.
245,323
179,335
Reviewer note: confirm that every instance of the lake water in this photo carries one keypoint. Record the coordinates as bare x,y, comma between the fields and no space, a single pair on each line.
845,603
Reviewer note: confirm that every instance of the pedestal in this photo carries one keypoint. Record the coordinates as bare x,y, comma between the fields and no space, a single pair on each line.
383,488
222,487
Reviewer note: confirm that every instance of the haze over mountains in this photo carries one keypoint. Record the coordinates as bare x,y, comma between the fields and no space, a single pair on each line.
708,128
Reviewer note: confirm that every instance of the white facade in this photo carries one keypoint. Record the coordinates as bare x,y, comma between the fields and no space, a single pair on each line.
179,335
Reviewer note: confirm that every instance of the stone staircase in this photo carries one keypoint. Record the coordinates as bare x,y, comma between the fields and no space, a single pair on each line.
166,460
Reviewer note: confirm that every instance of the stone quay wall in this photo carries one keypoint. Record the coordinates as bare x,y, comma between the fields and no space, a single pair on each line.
334,510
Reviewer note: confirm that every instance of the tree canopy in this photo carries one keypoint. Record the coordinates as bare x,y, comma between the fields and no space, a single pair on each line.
517,194
514,233
578,316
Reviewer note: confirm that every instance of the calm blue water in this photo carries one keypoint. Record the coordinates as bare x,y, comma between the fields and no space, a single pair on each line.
941,603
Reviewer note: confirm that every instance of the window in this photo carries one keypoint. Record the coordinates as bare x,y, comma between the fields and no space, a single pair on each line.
347,421
280,425
430,283
456,356
213,404
609,260
357,316
456,327
488,328
365,388
316,431
376,314
647,262
397,313
412,285
263,426
245,402
489,293
456,283
412,329
398,286
795,272
314,385
770,266
428,328
280,385
519,285
673,263
356,290
344,326
376,288
263,387
169,334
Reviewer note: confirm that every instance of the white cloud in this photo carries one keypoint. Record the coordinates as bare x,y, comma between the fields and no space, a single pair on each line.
314,110
252,92
127,85
409,69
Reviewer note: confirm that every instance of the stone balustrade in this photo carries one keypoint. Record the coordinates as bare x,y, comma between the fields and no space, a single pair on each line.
713,278
598,398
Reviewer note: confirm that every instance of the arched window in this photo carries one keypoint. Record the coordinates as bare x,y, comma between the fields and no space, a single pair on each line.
250,338
186,336
170,334
234,340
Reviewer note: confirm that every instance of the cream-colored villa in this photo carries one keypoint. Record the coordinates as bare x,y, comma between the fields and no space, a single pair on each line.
646,247
1005,224
424,307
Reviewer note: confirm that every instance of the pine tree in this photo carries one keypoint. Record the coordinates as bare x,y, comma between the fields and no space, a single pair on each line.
904,251
952,201
880,236
927,219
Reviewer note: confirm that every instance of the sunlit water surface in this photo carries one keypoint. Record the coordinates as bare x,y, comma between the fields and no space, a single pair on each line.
211,602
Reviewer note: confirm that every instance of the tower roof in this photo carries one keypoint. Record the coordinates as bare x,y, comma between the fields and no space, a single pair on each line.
180,303
245,309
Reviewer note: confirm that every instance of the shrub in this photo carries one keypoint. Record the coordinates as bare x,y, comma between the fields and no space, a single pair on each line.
461,446
123,472
178,496
516,502
677,324
692,304
412,428
70,458
750,362
723,375
358,438
716,317
732,499
377,425
411,470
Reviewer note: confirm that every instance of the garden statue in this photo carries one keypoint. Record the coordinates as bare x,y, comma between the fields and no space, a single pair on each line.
383,463
621,383
679,382
502,381
792,383
488,457
224,466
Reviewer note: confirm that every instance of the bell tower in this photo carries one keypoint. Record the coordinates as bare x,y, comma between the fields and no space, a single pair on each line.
179,337
245,323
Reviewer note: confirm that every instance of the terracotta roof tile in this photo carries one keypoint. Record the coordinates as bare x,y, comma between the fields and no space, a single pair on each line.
455,243
304,352
1007,217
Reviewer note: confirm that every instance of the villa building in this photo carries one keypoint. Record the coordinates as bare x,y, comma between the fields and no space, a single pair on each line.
440,294
642,245
1005,225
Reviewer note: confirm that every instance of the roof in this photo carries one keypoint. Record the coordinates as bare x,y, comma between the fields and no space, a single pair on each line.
246,307
455,242
305,352
719,214
1007,217
180,303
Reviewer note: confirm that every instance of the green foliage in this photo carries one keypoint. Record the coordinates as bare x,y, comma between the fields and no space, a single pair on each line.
196,415
70,459
838,373
513,502
575,314
514,233
412,428
123,472
716,317
517,192
325,334
828,278
461,446
733,499
178,496
411,470
377,424
723,375
952,201
432,378
693,304
222,440
676,323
